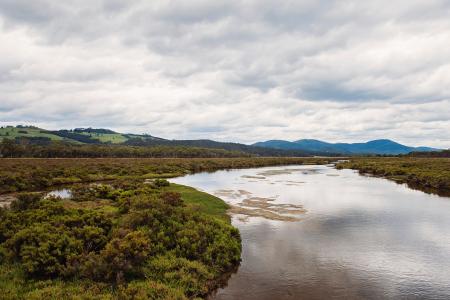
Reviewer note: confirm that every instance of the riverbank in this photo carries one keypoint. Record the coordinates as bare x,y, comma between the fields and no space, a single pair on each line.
129,239
430,175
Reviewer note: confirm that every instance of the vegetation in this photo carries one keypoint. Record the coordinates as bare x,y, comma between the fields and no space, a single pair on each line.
443,153
126,240
426,174
11,132
134,236
38,174
200,201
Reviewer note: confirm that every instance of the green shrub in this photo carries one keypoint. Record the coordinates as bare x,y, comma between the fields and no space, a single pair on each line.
149,290
192,276
26,201
42,250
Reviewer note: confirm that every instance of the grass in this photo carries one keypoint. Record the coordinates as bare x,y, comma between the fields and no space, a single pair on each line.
113,138
13,132
204,202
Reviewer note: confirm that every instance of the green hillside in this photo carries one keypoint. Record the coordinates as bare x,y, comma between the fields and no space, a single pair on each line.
77,136
113,138
13,132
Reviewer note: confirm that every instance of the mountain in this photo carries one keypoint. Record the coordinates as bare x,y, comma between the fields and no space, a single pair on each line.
304,147
382,146
101,136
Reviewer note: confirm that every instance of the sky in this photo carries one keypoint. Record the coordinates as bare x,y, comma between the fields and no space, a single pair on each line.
243,71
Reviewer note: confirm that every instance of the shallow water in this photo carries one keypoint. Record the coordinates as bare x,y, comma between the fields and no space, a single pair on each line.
61,193
360,237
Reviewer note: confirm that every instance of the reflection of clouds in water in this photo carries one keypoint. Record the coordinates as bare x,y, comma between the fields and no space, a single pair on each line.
287,171
362,237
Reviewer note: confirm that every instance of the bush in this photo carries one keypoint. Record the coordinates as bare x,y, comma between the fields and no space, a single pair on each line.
42,250
161,182
26,201
120,260
149,290
172,199
192,276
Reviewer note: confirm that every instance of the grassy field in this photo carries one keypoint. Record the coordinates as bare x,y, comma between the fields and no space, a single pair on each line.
13,132
113,138
427,174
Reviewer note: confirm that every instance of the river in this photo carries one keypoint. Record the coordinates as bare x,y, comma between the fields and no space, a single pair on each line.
314,232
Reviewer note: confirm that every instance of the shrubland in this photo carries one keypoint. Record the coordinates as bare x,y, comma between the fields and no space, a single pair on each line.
124,240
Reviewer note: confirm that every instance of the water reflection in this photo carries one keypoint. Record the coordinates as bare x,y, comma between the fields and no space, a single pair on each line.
361,237
61,193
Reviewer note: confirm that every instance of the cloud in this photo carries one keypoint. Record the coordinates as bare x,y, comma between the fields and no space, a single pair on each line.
236,71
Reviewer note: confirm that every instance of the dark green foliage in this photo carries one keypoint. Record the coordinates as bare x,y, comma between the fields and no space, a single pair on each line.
75,136
45,148
158,247
443,153
120,260
94,130
161,182
26,201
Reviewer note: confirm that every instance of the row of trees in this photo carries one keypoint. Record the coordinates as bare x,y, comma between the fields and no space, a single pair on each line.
49,149
443,153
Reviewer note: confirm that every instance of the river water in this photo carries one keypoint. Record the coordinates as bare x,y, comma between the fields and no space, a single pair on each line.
314,232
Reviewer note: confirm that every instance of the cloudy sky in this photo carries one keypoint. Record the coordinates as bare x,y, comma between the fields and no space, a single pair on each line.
344,70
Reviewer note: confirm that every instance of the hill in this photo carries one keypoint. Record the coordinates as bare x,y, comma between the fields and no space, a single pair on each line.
380,147
25,135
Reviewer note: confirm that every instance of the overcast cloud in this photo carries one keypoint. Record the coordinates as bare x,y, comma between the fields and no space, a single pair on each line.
244,71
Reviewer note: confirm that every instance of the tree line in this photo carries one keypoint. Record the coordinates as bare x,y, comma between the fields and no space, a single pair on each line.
23,148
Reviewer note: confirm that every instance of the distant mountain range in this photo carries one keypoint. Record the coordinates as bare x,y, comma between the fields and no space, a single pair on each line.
100,136
381,147
305,147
